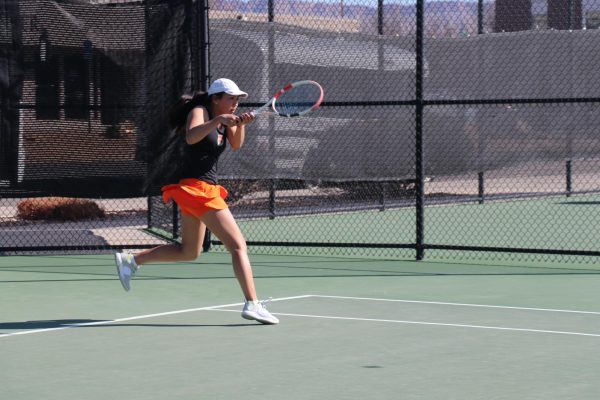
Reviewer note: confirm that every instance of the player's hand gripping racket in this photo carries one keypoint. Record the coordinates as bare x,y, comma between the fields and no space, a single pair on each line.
294,100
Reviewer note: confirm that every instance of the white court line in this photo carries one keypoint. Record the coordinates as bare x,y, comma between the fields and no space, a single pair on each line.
460,304
108,322
501,328
220,308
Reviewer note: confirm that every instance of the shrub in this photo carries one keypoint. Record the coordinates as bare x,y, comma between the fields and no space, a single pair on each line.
59,208
238,188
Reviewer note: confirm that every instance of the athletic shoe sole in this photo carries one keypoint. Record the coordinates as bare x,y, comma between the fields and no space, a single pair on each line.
258,318
118,263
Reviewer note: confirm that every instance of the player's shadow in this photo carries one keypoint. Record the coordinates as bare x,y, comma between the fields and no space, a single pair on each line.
45,324
82,323
248,324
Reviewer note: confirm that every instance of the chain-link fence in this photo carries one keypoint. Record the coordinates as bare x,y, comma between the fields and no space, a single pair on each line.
448,128
75,80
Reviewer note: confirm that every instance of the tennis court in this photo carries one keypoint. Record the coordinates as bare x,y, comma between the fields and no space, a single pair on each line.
462,133
350,328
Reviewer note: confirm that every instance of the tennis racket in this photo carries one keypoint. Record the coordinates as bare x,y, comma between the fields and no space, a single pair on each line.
294,100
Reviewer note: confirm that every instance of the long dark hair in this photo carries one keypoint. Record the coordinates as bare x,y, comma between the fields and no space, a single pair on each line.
186,103
166,151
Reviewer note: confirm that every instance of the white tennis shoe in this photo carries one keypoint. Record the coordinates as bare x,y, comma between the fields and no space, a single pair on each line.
126,268
255,310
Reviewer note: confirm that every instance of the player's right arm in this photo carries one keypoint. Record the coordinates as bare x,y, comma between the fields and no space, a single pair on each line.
198,124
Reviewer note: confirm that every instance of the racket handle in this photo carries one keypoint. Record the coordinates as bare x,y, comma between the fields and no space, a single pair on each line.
261,110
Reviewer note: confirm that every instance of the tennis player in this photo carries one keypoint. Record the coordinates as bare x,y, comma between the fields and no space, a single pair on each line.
208,121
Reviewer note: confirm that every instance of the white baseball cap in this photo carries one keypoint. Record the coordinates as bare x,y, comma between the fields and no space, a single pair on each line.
225,85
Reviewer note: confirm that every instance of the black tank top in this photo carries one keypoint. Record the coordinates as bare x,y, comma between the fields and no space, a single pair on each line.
202,158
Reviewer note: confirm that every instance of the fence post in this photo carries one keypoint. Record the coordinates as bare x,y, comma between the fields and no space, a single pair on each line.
479,17
380,48
272,199
149,212
569,171
481,187
175,221
382,195
272,86
380,17
202,34
420,181
480,174
204,45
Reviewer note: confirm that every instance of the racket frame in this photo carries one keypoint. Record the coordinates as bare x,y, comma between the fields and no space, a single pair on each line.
270,106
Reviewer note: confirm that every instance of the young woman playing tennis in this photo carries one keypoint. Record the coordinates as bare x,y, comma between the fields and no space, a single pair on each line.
208,122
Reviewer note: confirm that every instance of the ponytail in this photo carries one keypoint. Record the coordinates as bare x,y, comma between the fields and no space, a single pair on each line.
186,103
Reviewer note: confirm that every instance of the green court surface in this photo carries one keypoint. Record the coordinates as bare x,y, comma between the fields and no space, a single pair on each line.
350,328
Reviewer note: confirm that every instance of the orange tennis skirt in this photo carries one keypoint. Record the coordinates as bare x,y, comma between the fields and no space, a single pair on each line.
195,197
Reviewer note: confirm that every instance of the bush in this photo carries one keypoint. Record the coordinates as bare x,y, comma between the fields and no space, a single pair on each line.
59,208
238,188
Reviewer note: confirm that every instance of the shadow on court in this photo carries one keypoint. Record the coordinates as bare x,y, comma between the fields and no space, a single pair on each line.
46,324
87,323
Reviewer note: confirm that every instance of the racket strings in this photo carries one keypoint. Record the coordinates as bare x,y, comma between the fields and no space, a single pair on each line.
298,100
